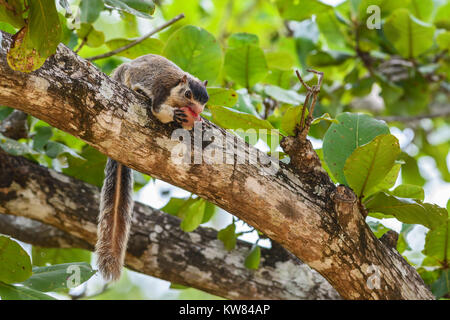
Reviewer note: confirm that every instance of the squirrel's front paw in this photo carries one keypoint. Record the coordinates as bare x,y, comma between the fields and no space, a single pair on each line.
185,117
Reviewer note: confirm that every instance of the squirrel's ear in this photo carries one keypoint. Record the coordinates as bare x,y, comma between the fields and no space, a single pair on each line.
205,83
184,79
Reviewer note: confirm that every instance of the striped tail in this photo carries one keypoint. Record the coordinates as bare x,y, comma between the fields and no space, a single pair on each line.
116,207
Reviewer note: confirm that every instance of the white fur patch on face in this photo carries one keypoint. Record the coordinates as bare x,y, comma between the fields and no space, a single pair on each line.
165,113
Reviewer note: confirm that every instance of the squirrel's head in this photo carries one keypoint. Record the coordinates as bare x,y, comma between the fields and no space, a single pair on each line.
191,93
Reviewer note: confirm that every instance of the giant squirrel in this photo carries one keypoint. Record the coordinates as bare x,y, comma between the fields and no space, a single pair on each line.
173,95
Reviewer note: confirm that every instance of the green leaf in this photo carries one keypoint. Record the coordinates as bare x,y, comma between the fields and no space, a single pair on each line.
89,170
280,60
341,139
290,120
192,215
93,37
407,211
150,45
14,147
196,51
245,64
40,139
368,165
242,39
174,205
421,9
60,276
90,10
222,97
437,243
55,149
232,119
210,210
377,228
143,9
410,36
283,95
410,170
15,263
228,236
389,180
253,258
12,13
16,292
332,30
43,256
441,287
443,40
409,191
441,18
300,9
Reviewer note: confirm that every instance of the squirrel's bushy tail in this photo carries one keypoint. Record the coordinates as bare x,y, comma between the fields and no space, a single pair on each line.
116,207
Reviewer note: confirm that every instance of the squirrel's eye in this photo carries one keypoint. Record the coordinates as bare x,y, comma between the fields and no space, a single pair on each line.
188,94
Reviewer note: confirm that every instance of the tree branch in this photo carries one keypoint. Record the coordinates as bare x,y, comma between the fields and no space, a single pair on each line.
294,209
65,215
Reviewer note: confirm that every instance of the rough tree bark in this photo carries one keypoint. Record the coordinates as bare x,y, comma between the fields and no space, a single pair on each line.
68,208
295,209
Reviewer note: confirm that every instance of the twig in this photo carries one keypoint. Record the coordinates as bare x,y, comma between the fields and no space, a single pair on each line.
406,119
137,41
311,91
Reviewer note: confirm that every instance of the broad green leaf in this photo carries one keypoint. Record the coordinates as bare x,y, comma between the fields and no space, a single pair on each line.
442,285
408,191
407,210
386,7
283,95
245,64
143,9
196,51
368,165
192,215
410,36
210,210
253,258
437,243
89,170
245,103
341,139
232,119
290,120
151,45
43,256
12,13
390,179
55,149
280,78
241,39
17,292
441,18
421,9
22,56
228,236
59,276
410,170
332,30
93,37
222,97
377,228
300,9
443,40
15,263
90,10
280,60
40,139
174,205
14,147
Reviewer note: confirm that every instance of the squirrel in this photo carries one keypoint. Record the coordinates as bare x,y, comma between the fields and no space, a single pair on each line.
172,95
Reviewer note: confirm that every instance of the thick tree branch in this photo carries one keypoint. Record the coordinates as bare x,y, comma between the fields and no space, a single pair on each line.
294,209
65,215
